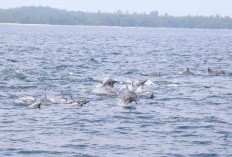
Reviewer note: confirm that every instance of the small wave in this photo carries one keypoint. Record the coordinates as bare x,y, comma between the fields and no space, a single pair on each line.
21,87
99,90
172,85
149,83
27,100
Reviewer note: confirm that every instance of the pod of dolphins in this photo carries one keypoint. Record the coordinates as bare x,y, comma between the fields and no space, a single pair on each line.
34,103
106,88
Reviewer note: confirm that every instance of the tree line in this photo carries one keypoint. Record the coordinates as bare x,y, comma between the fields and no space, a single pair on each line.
47,15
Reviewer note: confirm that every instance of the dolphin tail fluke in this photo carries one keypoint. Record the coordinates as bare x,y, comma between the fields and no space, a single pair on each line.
209,70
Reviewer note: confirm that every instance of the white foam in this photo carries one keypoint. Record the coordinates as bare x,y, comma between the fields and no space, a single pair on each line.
172,85
25,100
149,83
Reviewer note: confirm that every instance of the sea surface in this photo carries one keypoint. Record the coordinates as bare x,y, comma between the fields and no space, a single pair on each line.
189,116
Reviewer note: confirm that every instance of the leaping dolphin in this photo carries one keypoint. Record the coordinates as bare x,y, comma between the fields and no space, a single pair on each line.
210,71
108,82
129,97
138,84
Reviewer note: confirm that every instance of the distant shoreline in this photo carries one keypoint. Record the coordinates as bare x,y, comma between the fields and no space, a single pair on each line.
32,15
28,24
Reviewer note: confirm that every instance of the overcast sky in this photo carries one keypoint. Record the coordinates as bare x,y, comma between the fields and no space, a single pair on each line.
172,7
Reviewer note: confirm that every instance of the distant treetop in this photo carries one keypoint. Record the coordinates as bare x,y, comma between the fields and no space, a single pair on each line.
47,15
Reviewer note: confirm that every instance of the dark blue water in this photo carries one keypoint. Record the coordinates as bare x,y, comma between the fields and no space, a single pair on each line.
189,115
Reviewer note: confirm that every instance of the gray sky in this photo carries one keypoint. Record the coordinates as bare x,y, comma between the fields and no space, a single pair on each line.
172,7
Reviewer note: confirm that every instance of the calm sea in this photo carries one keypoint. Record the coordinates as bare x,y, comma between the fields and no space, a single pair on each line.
188,116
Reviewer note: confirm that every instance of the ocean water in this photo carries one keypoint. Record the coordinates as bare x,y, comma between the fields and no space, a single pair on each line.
188,116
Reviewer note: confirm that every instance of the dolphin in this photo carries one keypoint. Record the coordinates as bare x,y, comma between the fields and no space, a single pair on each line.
155,74
188,72
129,97
63,98
210,71
138,84
78,103
44,99
108,83
35,105
148,95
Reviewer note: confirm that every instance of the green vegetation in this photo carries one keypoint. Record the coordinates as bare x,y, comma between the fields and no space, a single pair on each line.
46,15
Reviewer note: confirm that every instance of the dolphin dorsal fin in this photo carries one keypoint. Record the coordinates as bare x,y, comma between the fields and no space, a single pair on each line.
71,97
209,69
127,87
61,92
39,105
45,97
187,69
144,82
35,99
